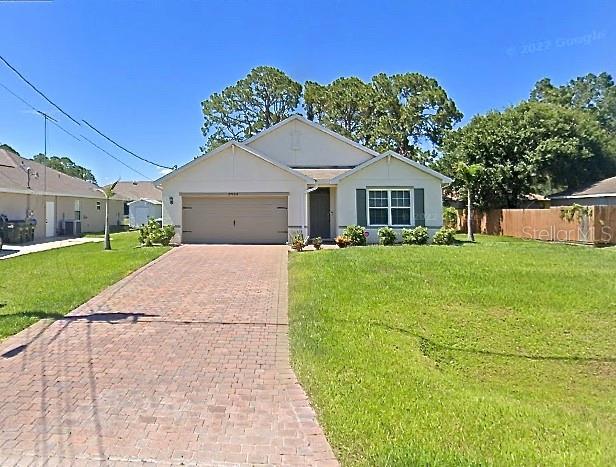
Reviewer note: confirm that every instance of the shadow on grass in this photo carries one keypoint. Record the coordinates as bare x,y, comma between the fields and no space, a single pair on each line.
426,344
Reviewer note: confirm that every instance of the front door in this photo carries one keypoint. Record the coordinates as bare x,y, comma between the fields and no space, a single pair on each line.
319,213
50,219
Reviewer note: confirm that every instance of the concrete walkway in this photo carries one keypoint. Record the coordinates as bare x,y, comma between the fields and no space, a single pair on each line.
185,362
10,251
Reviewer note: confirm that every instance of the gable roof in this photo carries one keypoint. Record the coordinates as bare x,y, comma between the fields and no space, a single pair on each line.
227,145
146,200
602,188
43,180
322,175
312,124
444,179
136,190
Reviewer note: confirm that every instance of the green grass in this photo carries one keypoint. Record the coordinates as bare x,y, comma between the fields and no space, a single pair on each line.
495,353
50,284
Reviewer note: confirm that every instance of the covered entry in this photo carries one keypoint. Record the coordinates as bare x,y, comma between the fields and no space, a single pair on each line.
234,218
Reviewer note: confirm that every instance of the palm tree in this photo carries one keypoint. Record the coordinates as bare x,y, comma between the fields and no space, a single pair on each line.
109,193
469,174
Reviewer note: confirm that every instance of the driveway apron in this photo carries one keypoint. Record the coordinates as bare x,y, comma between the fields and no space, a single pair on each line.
184,362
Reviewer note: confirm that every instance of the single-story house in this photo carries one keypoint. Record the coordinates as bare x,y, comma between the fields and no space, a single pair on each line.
144,201
602,192
60,204
297,176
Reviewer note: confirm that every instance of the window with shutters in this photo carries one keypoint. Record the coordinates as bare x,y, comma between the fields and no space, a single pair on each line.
390,206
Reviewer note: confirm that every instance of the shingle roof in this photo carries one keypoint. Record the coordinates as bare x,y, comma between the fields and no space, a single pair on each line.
43,180
600,188
136,190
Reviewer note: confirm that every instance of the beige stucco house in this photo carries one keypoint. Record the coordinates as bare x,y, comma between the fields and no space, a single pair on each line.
60,204
297,176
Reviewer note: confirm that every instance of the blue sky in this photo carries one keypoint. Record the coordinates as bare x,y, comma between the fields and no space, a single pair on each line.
138,70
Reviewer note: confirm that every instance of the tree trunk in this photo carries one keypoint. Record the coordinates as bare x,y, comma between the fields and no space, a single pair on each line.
107,239
469,218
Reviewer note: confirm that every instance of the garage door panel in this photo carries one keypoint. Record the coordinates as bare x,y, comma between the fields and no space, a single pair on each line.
234,220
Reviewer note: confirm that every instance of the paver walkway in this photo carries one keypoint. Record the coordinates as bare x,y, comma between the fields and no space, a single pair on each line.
183,362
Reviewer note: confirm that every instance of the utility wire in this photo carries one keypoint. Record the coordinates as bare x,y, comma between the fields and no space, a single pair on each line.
65,130
128,151
53,121
37,90
114,157
66,114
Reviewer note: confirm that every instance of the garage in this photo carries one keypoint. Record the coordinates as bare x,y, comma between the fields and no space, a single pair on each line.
234,219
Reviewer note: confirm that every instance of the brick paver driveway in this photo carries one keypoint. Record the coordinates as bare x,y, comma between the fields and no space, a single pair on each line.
184,362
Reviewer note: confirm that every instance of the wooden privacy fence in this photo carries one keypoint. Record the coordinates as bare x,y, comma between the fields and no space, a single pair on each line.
599,228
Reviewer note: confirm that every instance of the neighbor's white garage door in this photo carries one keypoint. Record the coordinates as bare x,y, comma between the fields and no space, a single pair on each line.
234,219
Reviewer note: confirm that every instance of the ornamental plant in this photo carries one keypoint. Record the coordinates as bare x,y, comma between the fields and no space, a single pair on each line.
317,242
342,241
153,234
450,217
356,235
387,236
298,241
444,236
416,236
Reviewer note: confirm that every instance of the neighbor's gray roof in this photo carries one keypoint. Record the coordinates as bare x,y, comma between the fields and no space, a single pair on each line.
43,180
322,175
136,190
606,187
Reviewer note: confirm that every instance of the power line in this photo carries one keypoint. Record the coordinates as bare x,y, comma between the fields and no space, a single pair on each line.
55,122
37,90
70,117
128,151
114,157
65,130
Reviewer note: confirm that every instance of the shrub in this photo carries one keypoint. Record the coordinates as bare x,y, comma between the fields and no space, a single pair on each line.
578,211
298,242
450,217
153,234
342,241
317,242
387,236
417,236
444,236
356,235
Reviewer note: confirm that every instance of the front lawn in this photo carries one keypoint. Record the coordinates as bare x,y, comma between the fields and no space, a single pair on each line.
52,283
495,353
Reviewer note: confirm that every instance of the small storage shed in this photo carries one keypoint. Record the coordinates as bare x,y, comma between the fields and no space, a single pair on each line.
141,210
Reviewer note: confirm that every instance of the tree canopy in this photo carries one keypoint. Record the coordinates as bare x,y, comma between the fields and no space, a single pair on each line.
595,94
263,98
67,166
532,147
409,113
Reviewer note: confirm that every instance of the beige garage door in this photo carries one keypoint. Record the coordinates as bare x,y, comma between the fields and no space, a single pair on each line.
234,219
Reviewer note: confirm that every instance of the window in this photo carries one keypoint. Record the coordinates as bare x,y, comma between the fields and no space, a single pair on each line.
389,207
98,205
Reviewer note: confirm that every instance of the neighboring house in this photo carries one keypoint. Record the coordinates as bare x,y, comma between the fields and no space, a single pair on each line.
60,204
297,176
143,201
602,192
